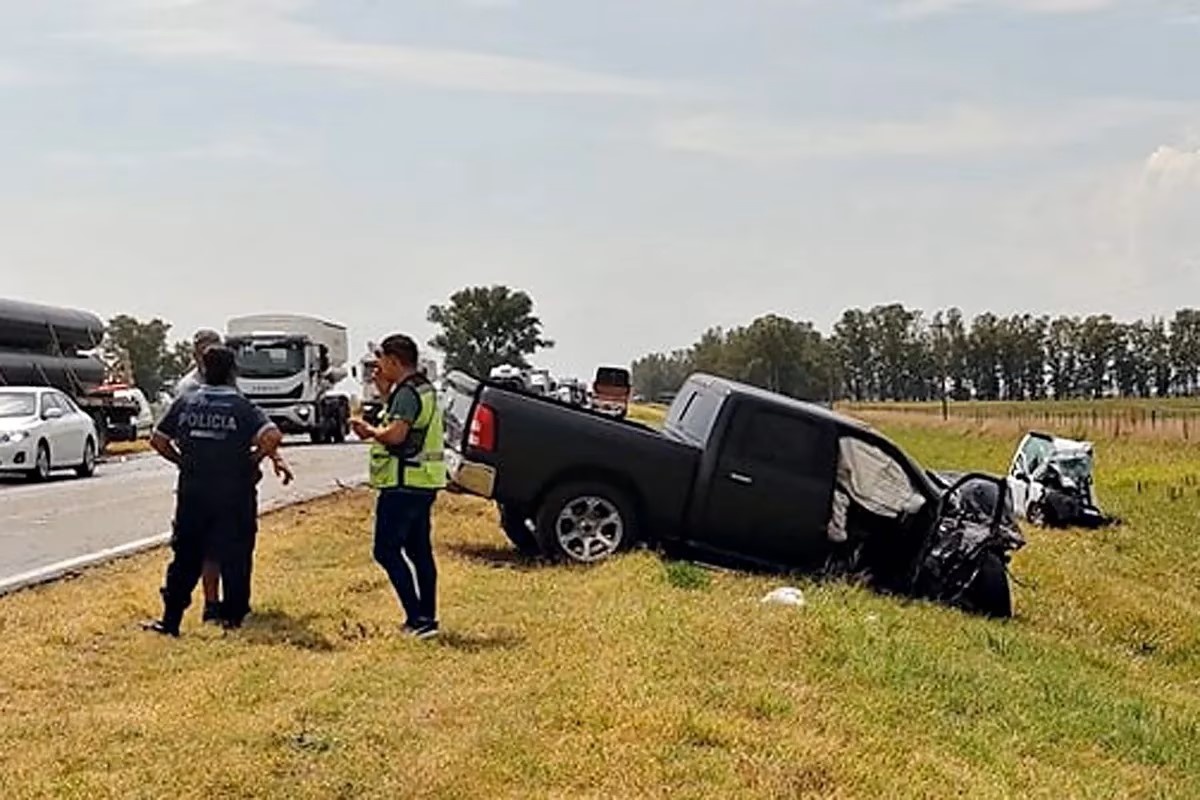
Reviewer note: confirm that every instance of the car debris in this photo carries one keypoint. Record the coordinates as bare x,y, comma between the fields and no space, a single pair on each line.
1052,483
785,596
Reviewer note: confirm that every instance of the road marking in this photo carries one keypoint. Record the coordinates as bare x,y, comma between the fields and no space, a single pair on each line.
70,566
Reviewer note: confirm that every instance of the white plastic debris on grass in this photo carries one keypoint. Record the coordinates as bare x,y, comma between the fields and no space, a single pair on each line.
786,596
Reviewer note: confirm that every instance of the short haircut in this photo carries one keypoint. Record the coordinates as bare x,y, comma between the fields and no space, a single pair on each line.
220,366
400,347
205,338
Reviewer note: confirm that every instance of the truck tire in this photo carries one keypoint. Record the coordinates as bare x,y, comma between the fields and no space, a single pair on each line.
989,594
586,522
317,436
514,523
341,425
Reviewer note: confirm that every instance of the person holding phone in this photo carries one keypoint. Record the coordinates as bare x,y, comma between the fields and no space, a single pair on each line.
408,470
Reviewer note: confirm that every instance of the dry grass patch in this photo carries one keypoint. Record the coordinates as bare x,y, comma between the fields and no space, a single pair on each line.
631,679
117,449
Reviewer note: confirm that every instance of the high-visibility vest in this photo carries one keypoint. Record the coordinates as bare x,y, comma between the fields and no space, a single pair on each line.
418,463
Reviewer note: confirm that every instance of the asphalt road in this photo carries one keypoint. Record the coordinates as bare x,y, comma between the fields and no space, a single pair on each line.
130,500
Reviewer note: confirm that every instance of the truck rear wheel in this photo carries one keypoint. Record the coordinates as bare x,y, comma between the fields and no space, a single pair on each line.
586,522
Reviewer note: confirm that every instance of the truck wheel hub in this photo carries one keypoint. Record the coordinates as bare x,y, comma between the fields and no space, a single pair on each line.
589,529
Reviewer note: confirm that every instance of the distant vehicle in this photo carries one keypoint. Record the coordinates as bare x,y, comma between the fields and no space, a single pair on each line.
59,347
509,375
144,421
571,391
372,401
43,430
1052,483
540,382
288,365
611,391
739,474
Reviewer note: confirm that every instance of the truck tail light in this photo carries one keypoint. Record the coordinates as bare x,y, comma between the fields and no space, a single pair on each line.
483,429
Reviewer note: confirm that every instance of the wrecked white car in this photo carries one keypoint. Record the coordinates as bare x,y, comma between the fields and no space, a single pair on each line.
1052,483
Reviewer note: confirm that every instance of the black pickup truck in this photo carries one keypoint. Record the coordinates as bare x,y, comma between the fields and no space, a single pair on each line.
736,474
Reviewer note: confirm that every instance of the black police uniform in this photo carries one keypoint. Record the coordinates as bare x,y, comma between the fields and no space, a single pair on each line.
216,499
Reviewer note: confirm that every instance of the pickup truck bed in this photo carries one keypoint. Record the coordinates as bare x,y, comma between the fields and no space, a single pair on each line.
536,444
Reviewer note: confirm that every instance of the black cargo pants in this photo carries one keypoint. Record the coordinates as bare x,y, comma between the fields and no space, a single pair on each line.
222,527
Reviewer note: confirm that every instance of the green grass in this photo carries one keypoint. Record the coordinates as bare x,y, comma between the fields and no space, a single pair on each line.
636,678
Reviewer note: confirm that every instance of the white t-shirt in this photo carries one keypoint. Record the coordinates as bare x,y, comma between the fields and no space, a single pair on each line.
189,383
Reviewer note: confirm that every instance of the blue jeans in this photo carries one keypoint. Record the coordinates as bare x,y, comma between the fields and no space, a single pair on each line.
404,549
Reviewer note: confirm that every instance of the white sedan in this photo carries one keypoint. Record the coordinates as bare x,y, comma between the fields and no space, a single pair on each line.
42,430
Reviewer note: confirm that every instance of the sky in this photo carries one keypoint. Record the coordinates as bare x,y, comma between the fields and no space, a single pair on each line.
645,169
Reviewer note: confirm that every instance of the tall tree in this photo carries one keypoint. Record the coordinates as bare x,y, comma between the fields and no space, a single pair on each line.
144,345
854,350
178,362
659,374
486,326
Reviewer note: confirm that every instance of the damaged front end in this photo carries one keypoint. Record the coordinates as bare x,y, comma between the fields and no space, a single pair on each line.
965,561
927,535
1053,484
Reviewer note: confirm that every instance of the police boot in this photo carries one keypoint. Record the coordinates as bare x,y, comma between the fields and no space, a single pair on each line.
167,626
212,611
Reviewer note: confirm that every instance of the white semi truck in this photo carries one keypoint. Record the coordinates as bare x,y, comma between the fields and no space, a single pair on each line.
288,365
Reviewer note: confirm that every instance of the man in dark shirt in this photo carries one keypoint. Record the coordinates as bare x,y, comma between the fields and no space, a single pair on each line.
216,437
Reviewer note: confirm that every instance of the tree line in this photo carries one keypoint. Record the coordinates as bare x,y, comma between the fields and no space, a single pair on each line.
891,352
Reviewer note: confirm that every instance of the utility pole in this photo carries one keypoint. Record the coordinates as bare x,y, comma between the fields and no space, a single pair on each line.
940,328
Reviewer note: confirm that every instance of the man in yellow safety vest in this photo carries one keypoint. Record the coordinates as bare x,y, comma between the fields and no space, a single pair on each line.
407,469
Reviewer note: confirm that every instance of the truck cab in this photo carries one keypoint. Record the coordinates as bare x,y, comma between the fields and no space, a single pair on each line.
289,365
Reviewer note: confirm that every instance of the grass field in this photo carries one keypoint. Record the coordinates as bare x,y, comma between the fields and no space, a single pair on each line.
632,679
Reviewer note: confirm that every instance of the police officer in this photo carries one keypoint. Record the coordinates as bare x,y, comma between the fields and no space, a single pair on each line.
193,382
216,437
408,470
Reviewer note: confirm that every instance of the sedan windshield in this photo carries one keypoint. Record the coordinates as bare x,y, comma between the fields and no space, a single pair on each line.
1077,468
13,404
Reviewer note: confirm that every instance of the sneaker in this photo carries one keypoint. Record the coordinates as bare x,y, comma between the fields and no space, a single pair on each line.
427,630
161,628
212,612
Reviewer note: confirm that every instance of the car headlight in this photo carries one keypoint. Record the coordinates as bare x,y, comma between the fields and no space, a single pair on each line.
13,437
302,411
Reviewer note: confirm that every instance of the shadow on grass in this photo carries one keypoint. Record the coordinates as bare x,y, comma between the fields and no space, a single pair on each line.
275,627
480,642
498,556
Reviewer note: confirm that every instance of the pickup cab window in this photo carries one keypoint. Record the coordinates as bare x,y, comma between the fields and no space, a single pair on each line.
693,414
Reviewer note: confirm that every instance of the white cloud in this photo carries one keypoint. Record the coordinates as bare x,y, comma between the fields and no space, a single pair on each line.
961,131
1172,167
919,8
1164,240
240,149
268,32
